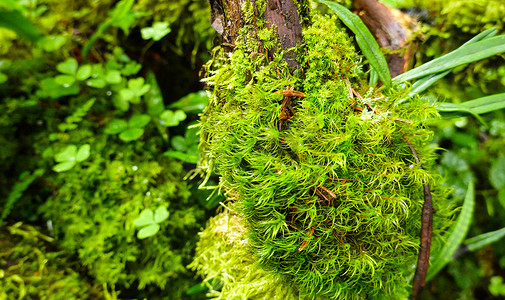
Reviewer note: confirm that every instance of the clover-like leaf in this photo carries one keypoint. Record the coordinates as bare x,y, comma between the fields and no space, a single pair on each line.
3,78
83,153
68,154
113,77
137,86
161,214
179,143
116,126
148,231
131,134
139,121
170,118
146,217
156,32
64,80
64,166
83,72
69,66
126,94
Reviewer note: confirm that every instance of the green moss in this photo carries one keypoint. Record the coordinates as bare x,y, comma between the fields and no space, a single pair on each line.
93,210
331,200
30,268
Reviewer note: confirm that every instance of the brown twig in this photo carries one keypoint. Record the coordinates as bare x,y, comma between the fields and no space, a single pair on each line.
425,235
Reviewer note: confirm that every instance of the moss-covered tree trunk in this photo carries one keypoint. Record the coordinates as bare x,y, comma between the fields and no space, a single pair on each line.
317,163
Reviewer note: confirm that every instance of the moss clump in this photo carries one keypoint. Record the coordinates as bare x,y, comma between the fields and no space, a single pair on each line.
31,269
93,209
331,197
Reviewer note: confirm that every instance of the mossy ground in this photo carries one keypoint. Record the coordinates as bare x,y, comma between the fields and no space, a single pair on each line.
331,197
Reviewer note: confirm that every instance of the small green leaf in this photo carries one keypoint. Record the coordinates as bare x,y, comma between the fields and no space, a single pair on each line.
116,126
126,94
68,153
65,80
156,32
146,217
139,121
148,231
52,42
83,153
192,103
137,86
179,143
97,83
83,72
484,239
457,234
185,157
113,77
131,134
120,103
170,118
364,38
161,214
64,166
497,173
69,66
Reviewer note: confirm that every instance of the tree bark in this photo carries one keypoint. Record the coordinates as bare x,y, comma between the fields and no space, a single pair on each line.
227,18
392,29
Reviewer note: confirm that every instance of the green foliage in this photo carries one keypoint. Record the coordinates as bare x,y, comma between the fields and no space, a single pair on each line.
30,268
156,32
15,21
332,198
70,156
148,222
229,271
365,40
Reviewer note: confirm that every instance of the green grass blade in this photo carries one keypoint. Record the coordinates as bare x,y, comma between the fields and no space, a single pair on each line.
365,40
486,104
484,239
16,22
457,234
454,110
465,54
427,81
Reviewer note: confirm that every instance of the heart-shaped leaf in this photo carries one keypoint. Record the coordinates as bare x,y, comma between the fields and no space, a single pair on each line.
179,143
83,72
156,32
139,121
52,42
82,153
69,66
131,134
64,166
67,154
170,118
161,214
116,126
146,217
97,83
113,77
126,94
64,80
148,231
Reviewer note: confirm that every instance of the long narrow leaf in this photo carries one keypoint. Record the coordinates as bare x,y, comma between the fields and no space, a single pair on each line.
465,54
457,234
486,104
454,110
484,239
427,81
16,22
365,40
